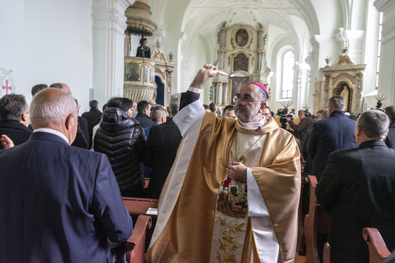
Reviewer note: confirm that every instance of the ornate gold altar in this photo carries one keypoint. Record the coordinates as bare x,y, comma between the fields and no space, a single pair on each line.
343,78
241,52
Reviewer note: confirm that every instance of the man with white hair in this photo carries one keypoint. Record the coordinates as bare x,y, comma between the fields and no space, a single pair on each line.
233,191
357,189
58,203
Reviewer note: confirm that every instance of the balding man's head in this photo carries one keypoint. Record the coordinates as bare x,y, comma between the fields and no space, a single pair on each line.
61,86
55,109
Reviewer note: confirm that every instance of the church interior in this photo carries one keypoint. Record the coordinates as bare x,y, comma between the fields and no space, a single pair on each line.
303,51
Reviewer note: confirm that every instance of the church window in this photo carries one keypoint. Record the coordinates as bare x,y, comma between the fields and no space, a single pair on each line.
288,75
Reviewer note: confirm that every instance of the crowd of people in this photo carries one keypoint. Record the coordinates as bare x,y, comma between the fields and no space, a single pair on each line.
228,181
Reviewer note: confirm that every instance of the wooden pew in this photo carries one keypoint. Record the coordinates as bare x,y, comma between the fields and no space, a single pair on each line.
136,244
146,183
327,253
316,222
378,250
302,212
139,206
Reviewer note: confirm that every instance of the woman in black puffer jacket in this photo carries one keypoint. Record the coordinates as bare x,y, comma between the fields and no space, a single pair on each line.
122,139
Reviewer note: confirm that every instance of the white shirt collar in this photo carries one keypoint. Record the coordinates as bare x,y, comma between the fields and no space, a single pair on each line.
52,131
253,125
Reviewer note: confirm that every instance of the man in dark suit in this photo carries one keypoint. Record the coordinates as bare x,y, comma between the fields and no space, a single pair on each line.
143,50
390,139
58,203
144,113
161,149
332,134
357,189
92,116
14,118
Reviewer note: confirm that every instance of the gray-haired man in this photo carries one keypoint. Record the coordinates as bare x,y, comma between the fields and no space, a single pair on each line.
357,189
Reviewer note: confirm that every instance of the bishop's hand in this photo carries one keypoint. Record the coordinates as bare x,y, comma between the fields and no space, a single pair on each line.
203,74
237,171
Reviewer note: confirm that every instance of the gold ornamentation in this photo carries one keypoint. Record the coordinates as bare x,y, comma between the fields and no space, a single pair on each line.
242,158
228,241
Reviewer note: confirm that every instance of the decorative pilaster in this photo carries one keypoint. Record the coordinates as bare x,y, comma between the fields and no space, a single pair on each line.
109,25
387,61
303,77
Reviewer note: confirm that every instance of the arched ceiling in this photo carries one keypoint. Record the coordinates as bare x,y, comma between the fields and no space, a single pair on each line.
205,16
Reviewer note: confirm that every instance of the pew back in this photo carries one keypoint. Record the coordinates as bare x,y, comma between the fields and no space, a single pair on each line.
378,250
316,222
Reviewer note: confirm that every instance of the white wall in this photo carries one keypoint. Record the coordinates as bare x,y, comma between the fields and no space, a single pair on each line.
48,41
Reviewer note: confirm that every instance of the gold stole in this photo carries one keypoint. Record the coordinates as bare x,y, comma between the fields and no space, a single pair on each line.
188,233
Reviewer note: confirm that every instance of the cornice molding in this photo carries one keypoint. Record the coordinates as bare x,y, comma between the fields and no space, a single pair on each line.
384,5
388,28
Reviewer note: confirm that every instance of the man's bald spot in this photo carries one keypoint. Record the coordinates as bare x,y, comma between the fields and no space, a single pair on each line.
60,85
52,105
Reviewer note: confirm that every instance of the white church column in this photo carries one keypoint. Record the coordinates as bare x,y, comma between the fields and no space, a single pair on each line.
218,99
387,62
302,72
225,93
109,25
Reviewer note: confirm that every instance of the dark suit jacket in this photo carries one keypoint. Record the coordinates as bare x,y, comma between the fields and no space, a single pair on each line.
358,189
93,117
160,152
301,130
390,140
143,51
144,120
83,124
58,203
17,132
332,134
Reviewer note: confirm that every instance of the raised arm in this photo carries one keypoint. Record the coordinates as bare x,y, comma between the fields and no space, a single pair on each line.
190,107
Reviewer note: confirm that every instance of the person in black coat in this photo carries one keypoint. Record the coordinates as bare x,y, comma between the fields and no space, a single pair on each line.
161,149
122,139
390,139
302,129
143,50
357,189
93,116
14,118
332,134
143,113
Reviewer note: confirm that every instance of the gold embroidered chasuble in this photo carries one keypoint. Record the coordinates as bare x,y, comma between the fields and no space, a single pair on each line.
187,235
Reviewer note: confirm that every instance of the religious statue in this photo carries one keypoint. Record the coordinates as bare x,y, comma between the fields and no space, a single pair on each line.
143,50
127,44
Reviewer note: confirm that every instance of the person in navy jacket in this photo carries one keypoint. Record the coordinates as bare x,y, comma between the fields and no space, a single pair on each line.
331,134
58,203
